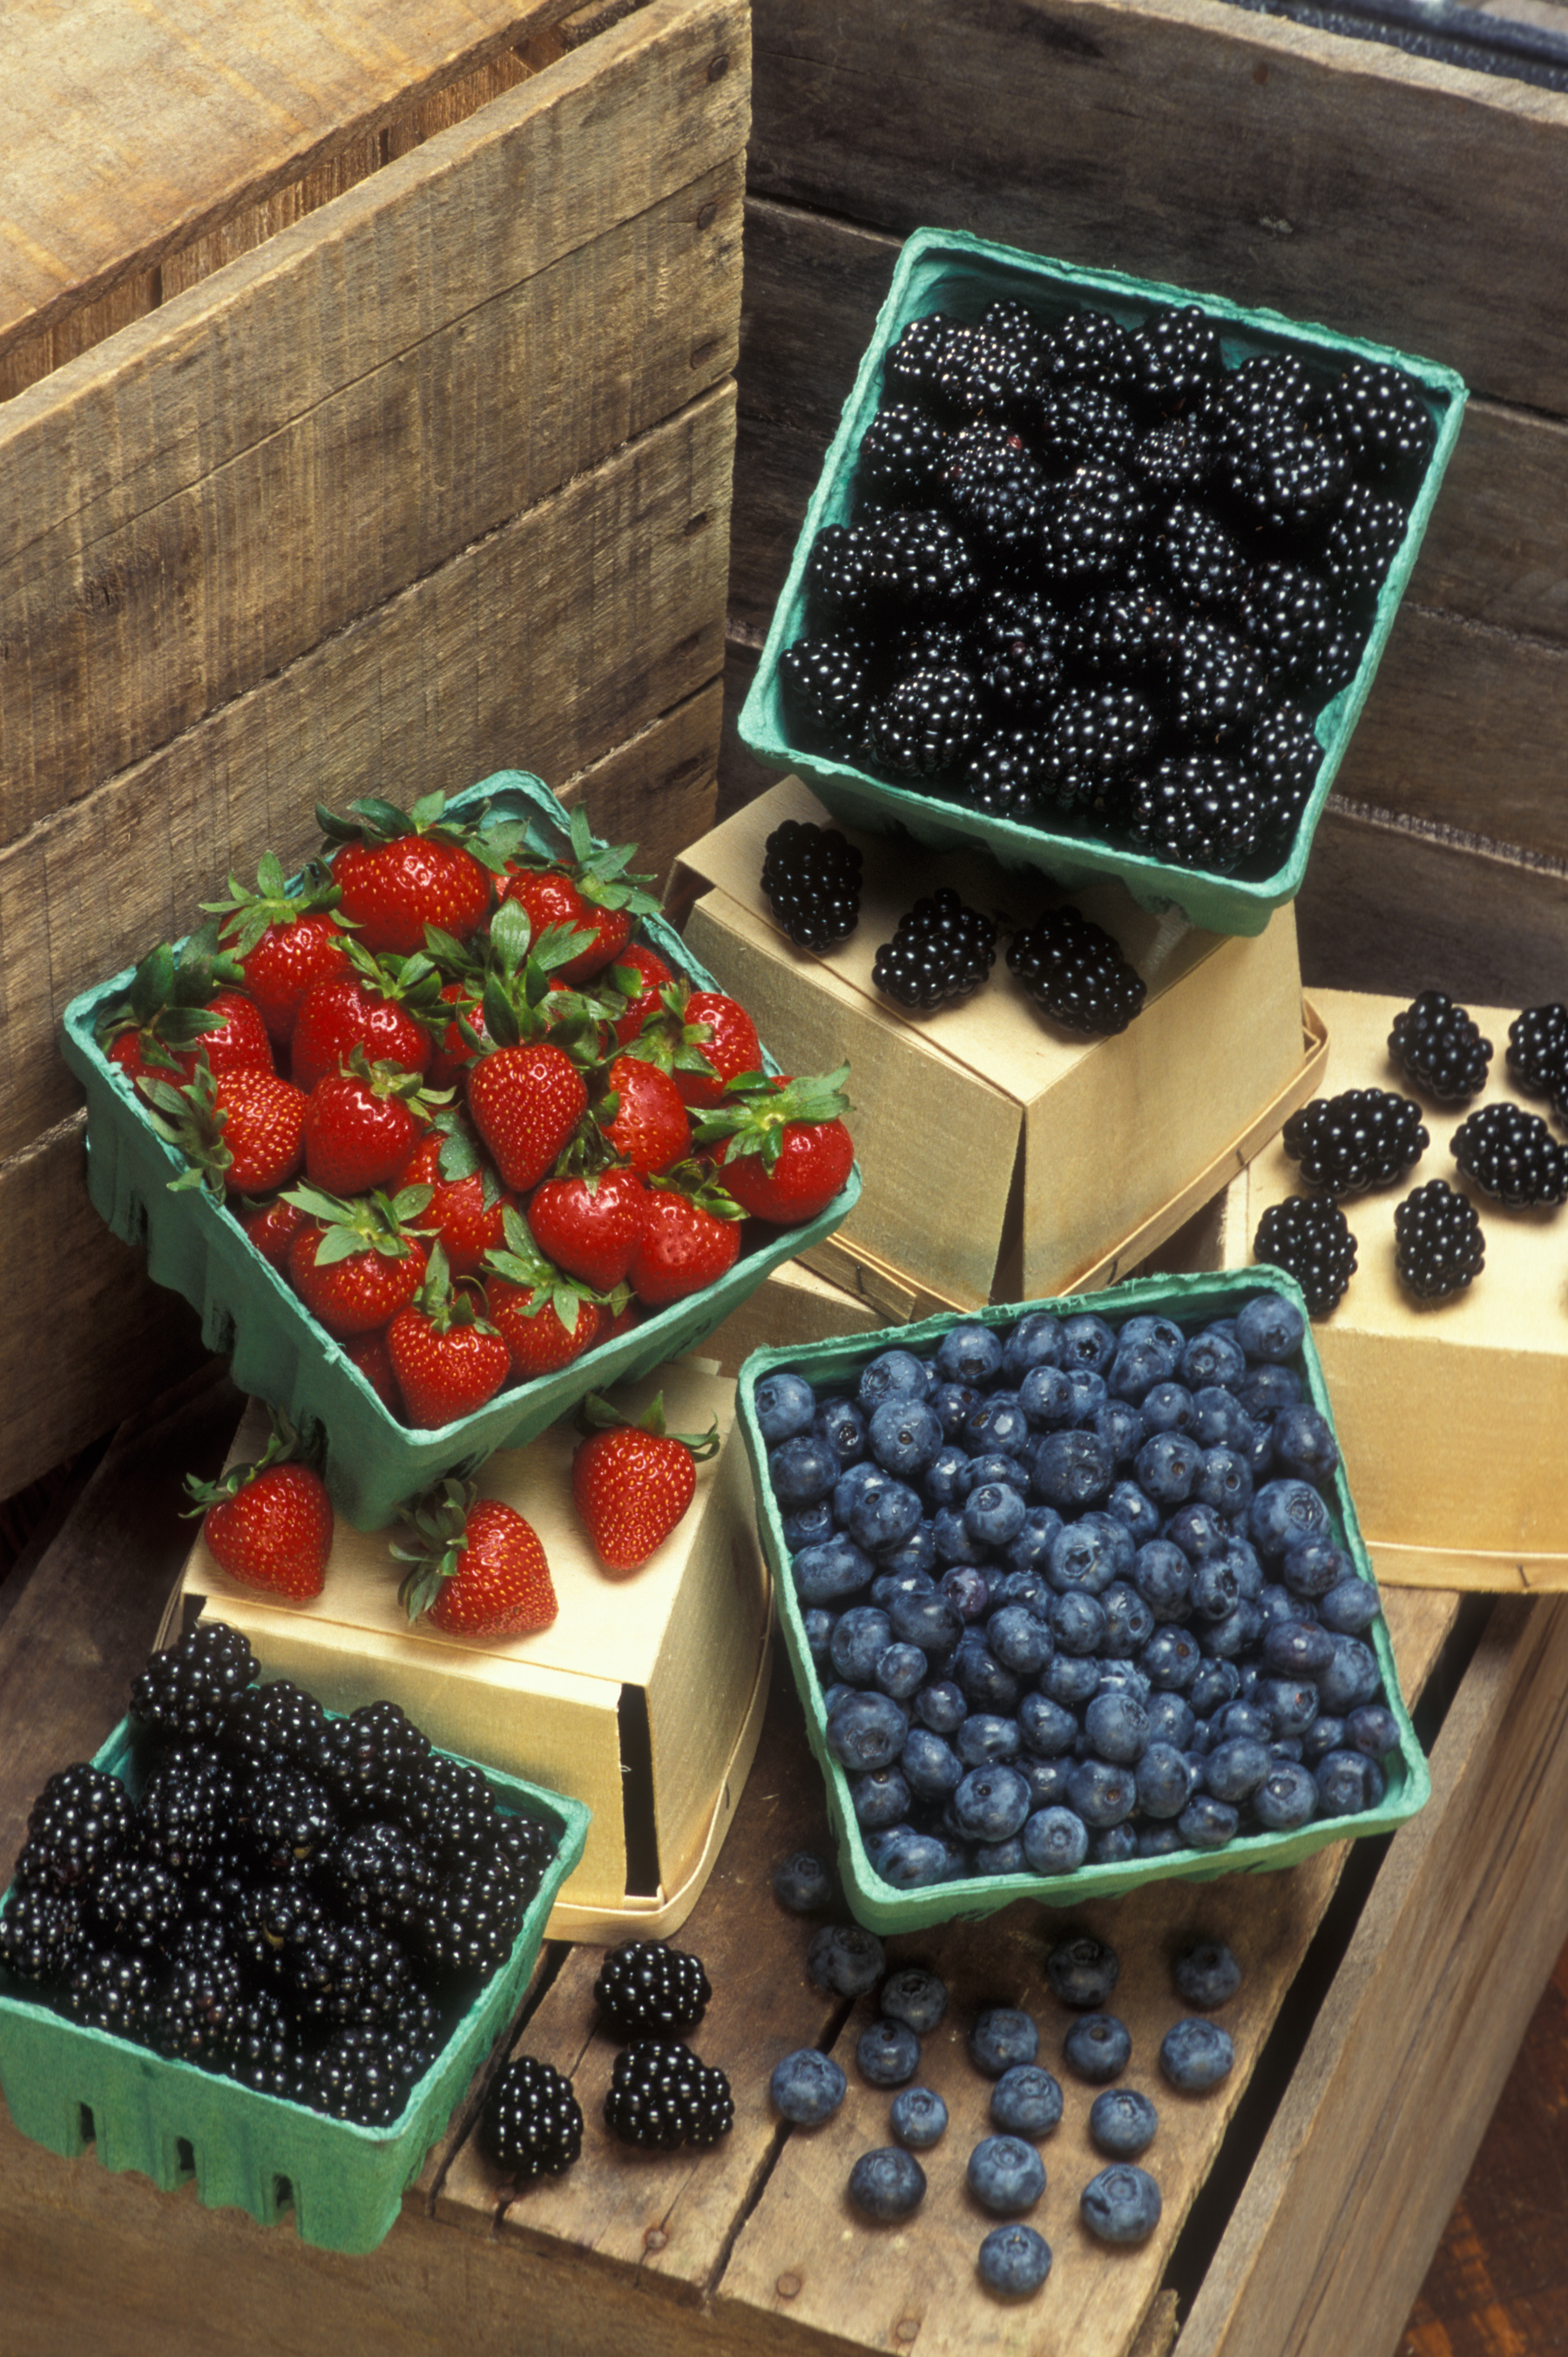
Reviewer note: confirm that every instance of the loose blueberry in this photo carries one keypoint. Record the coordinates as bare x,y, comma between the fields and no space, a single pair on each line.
1098,2046
916,1997
1025,2101
1006,2175
1002,2036
888,2183
846,1959
807,2087
1121,2204
1207,1975
887,2053
1081,1972
1121,2123
919,2118
1013,2261
1195,2055
803,1883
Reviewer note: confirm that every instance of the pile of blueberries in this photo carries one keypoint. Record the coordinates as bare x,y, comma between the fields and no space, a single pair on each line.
1074,1595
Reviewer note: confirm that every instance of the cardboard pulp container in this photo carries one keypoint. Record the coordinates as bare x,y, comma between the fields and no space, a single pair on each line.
1452,1418
1007,1158
70,2087
833,1367
643,1701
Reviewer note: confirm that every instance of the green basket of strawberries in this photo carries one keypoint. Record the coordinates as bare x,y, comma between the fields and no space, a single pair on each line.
445,1133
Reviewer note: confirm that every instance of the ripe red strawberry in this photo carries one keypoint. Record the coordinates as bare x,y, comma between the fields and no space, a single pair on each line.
591,1227
546,1318
355,1265
285,940
526,1101
369,1352
237,1042
362,1123
354,1012
452,1054
273,1227
467,1202
632,1482
725,1039
269,1525
785,1153
648,1128
643,976
398,872
689,1241
242,1132
448,1358
477,1567
590,893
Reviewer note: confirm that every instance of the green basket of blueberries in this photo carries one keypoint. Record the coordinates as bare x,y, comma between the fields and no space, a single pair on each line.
1097,576
1075,1598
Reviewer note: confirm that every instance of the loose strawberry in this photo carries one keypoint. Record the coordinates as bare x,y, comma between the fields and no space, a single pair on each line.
591,1226
691,1239
477,1567
448,1360
643,1116
784,1153
467,1200
242,1133
285,938
725,1039
590,892
632,1482
384,1007
399,871
546,1319
356,1264
268,1525
642,976
362,1123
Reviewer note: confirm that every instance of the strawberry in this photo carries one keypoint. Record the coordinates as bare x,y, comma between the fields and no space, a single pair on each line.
448,1358
592,893
369,1352
467,1200
725,1039
642,976
477,1567
691,1239
268,1525
385,1009
643,1116
632,1482
272,1227
362,1123
398,872
452,1052
235,1042
591,1226
355,1265
785,1152
546,1319
526,1101
284,939
242,1132
169,1011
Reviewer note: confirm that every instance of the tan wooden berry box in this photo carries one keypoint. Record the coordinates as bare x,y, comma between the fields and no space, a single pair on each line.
642,1700
1004,1158
1452,1416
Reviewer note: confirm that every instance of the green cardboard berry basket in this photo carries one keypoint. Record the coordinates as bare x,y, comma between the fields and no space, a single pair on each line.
279,1352
68,2087
946,270
1190,1302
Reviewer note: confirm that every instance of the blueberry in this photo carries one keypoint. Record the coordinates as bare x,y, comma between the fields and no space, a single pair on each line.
940,1706
1140,1514
1207,1975
1352,1677
1121,2123
905,1435
803,1470
1035,1342
845,1960
980,1678
890,1586
1088,1341
917,1556
985,1736
887,2053
1224,1482
993,1514
1081,1972
867,1731
1166,1466
892,1374
909,1860
1089,1554
883,1512
1291,1704
1171,1660
1171,1715
991,1804
1372,1727
1069,1470
1070,1679
1214,1590
1282,1513
952,1404
949,1477
1305,1443
807,2087
1048,1781
1129,1621
916,1997
1233,1771
901,1671
1115,1844
1298,1649
1025,2101
1077,1623
1195,2055
954,1544
818,1625
1168,1408
1325,1735
967,1590
1218,1420
998,1857
997,1423
1350,1607
1121,2204
1268,1327
969,1353
862,1636
803,1883
784,1404
879,1799
931,1766
1119,1424
1056,1841
1286,1800
1228,1640
1013,2261
1087,1396
1046,1728
1098,2046
1242,1559
1159,1841
841,1424
1207,1824
808,1525
1103,1792
1264,1391
1117,1725
1315,1566
1006,2175
887,2183
1163,1577
1001,2037
919,2118
1344,1783
1029,1549
1163,1780
1018,1640
1212,1357
1136,1369
823,1575
1046,1399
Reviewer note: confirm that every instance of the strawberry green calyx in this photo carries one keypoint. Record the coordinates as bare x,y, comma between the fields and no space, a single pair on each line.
521,1262
375,1223
600,874
391,1083
756,1111
247,915
492,842
189,1117
435,1525
282,1446
167,1001
412,982
597,1414
447,1302
697,1185
518,1003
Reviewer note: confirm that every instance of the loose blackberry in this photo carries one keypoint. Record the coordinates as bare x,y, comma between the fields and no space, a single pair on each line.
1076,424
283,1818
810,876
827,683
185,1692
377,1873
1102,729
1309,1237
909,369
1439,1048
1075,973
1219,687
646,1989
140,1906
660,2096
107,1990
275,1722
1283,756
41,1934
1089,524
367,1758
1380,416
1538,1049
918,562
1175,458
532,2124
185,1809
1361,1138
1360,544
1018,652
1092,347
839,572
1200,559
1121,634
1004,776
82,1819
1512,1156
1290,618
899,459
927,722
1177,358
941,951
1197,809
1439,1246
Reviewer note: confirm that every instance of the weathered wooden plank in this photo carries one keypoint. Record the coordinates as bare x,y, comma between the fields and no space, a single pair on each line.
1374,2135
299,458
1335,180
660,791
542,647
194,116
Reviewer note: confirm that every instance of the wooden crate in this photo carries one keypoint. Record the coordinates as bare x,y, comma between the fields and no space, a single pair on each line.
408,458
1335,180
1386,1993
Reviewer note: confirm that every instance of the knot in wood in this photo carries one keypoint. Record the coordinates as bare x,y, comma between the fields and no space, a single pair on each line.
905,2328
718,67
655,2239
786,2287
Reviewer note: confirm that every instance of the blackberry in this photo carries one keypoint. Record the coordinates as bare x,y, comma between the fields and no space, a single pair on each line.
921,644
185,1692
920,561
530,1847
826,681
1003,777
645,1987
1439,1247
1177,358
470,1922
1017,656
262,2050
453,1810
927,722
1075,424
283,1818
355,2076
275,1722
1089,524
372,1979
140,1906
1380,416
1092,347
810,877
1439,1048
1361,1138
1193,553
900,456
1176,459
1512,1156
909,369
367,1758
941,951
1310,1238
980,375
80,1820
994,485
1270,392
1198,810
195,2011
1360,544
286,1938
660,2096
1075,973
1121,634
41,1934
1102,729
376,1874
1538,1049
1218,685
1283,756
107,1990
532,2124
838,572
184,1809
1291,620
1284,479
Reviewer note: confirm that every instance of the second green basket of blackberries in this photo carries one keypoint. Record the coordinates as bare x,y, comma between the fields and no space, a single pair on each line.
1098,574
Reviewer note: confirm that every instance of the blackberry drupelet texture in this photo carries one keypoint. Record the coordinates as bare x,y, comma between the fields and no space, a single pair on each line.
1512,1157
941,951
660,2096
1361,1138
532,2124
1439,1245
646,1989
1075,973
810,877
1309,1237
1439,1048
